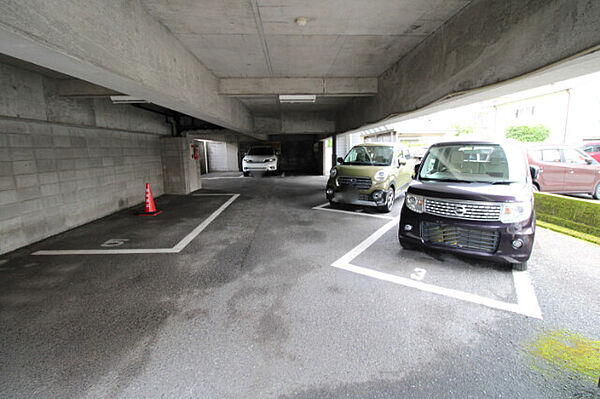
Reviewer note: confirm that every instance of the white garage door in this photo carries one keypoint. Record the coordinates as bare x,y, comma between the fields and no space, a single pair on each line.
222,157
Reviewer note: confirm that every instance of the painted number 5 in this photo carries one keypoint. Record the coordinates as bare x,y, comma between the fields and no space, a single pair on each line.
419,274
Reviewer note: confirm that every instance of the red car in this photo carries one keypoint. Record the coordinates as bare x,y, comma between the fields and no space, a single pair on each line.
592,149
564,169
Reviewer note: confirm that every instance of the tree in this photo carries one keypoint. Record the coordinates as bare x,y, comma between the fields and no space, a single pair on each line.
528,134
460,130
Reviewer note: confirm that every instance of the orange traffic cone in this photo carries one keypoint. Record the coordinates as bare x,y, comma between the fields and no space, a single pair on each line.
149,207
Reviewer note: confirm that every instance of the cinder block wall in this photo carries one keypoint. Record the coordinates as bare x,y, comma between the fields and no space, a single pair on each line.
65,162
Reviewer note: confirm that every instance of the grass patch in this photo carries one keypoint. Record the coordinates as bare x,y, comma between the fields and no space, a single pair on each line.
571,216
569,232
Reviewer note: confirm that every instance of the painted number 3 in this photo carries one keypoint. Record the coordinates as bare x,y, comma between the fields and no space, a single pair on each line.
114,242
419,274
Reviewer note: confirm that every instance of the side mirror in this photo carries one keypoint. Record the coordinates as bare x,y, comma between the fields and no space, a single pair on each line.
416,173
588,161
340,160
401,162
278,153
534,171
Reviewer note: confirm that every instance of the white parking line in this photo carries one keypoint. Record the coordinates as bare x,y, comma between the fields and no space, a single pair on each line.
322,208
212,195
176,249
222,177
194,233
526,305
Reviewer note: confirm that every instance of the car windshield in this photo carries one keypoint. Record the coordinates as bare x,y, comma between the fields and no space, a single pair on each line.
477,163
370,155
261,151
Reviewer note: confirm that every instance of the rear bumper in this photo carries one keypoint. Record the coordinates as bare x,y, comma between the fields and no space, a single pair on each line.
508,233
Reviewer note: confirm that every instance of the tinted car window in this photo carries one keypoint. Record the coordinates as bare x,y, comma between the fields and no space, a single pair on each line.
551,155
370,155
486,163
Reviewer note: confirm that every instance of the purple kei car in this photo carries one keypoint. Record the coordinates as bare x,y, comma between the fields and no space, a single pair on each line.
473,198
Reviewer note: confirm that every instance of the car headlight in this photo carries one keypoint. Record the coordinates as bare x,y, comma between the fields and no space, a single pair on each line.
414,202
381,175
333,172
513,212
245,159
270,160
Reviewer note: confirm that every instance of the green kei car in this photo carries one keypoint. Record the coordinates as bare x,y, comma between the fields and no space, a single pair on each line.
370,174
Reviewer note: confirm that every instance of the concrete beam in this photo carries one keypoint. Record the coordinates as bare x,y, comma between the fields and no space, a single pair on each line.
296,123
120,47
225,135
319,86
80,89
487,42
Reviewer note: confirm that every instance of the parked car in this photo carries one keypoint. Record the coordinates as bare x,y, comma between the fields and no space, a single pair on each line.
472,198
370,175
592,149
260,159
564,169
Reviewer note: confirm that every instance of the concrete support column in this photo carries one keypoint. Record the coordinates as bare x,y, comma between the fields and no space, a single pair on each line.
181,171
333,150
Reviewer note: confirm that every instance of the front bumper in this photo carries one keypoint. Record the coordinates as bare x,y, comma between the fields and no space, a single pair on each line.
525,231
259,166
375,196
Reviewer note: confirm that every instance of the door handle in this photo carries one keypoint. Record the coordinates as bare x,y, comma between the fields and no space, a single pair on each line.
571,171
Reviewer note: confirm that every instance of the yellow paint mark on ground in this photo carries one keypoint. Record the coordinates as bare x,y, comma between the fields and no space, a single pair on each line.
570,351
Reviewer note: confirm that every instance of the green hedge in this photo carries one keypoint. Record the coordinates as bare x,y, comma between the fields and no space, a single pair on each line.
571,213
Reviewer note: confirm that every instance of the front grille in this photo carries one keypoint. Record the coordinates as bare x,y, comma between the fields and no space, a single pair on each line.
460,237
361,183
469,210
364,197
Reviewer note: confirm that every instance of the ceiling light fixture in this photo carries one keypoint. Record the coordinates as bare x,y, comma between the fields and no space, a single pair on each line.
297,98
301,21
127,100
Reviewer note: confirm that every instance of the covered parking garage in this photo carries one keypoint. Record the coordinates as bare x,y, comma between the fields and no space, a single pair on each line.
253,287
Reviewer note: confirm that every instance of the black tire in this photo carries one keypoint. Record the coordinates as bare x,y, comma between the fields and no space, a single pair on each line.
520,267
246,174
332,204
596,193
389,201
535,187
409,246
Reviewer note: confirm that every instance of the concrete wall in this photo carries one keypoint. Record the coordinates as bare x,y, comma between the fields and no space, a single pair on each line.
489,41
181,172
118,45
65,162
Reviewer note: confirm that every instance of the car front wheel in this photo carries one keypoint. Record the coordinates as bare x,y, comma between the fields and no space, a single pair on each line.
389,201
407,244
520,267
597,191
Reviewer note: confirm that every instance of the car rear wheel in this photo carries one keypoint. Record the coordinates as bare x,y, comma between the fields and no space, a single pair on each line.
535,187
597,191
520,267
389,201
246,174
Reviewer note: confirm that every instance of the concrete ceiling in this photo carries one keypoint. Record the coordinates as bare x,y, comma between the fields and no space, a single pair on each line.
343,38
260,39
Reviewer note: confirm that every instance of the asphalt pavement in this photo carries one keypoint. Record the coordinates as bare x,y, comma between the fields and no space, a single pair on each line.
251,306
